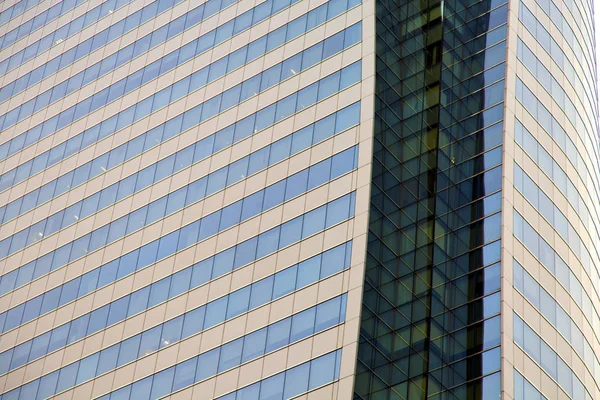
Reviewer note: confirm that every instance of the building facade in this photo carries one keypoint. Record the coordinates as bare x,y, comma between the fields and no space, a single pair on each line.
316,199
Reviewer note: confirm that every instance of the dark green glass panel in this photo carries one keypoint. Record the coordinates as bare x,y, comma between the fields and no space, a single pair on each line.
430,313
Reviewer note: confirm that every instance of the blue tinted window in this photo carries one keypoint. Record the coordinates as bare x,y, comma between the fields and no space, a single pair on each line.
322,371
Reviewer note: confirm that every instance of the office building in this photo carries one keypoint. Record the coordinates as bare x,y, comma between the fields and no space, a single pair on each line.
315,199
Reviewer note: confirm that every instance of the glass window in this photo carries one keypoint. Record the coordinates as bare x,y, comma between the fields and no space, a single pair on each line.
254,345
548,306
67,377
238,302
138,301
230,215
531,343
250,87
207,364
274,194
98,319
162,383
39,346
278,334
261,292
314,222
308,271
159,291
201,273
319,173
276,38
215,312
296,184
285,107
491,336
280,150
118,310
196,191
167,245
176,200
180,282
296,380
291,232
272,388
231,354
285,282
333,261
264,118
128,350
252,205
303,324
150,341
184,374
327,314
147,254
335,43
322,371
307,96
548,360
329,85
193,322
48,385
563,323
171,331
531,290
141,389
302,139
267,242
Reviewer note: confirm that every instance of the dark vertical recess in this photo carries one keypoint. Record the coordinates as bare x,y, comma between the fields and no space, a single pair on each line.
430,317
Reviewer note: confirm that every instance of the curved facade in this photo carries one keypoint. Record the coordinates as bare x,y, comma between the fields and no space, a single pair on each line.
553,193
316,199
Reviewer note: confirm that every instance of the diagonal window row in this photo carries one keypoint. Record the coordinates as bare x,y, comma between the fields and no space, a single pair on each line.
555,51
115,90
557,316
59,35
525,390
558,94
258,121
232,354
88,75
115,31
288,384
135,80
17,9
200,150
555,218
174,126
553,128
565,28
564,184
292,231
202,272
253,345
165,96
548,360
547,80
559,269
590,262
51,14
160,170
277,151
218,221
192,192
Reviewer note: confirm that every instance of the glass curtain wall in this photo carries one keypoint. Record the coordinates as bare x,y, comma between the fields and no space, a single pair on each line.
430,317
